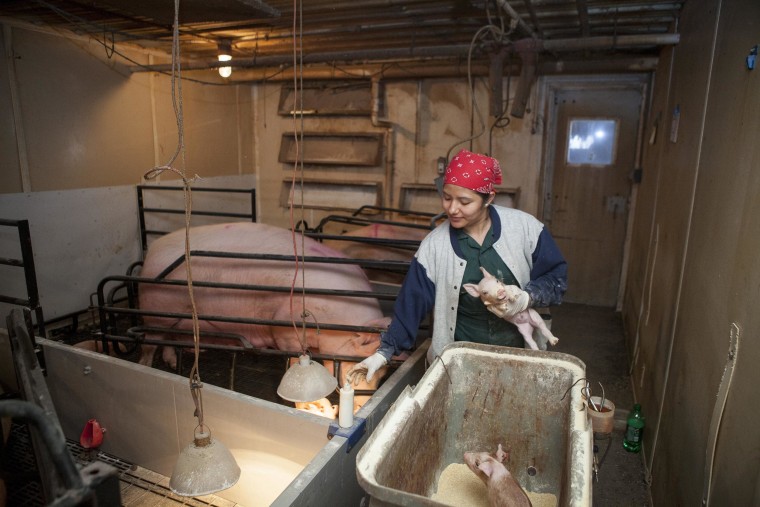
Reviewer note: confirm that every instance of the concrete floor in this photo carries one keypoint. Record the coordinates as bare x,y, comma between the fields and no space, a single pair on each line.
595,336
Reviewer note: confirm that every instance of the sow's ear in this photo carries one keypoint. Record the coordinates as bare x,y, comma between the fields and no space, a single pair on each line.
471,289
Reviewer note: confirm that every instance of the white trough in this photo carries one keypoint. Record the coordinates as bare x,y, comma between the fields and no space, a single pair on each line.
285,454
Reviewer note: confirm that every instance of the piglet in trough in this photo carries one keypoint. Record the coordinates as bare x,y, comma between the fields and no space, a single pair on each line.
503,488
321,407
497,296
247,237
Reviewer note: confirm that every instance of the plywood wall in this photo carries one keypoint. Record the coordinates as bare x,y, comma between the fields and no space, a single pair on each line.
694,278
425,120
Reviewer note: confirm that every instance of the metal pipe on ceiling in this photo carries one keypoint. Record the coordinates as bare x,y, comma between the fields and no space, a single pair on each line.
583,17
413,70
611,42
458,51
524,83
534,17
309,58
514,15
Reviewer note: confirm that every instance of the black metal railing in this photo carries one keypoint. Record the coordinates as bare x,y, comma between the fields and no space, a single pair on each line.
112,313
142,209
26,262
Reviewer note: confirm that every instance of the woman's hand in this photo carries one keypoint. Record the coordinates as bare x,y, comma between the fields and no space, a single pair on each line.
367,368
518,301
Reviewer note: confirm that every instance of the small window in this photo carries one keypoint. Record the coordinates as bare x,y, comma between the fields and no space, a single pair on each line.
591,142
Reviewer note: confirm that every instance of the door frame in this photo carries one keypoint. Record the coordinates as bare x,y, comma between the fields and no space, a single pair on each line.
549,88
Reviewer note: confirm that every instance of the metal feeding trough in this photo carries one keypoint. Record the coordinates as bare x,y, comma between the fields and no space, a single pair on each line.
472,398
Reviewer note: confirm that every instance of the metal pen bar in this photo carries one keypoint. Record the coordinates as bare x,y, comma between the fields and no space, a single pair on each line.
197,189
144,232
366,263
245,348
241,320
12,262
400,211
30,273
364,221
199,213
12,300
406,244
263,288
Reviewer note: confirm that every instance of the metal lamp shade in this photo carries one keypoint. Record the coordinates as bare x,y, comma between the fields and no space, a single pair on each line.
204,467
306,381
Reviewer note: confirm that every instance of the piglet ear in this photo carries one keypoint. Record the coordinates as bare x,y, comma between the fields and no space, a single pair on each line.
486,466
471,289
486,274
501,455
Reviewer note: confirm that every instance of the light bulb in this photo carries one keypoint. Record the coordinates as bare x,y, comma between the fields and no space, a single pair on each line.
225,71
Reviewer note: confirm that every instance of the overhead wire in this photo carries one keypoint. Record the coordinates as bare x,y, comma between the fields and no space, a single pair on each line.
499,38
176,86
298,169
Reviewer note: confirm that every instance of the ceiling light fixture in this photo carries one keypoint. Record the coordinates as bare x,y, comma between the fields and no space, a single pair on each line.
225,55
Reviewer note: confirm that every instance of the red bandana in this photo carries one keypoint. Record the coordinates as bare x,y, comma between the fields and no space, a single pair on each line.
474,171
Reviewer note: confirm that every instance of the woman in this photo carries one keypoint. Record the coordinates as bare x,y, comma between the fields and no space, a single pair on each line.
510,244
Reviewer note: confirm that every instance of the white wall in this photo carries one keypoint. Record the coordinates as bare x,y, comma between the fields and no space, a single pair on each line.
81,236
74,118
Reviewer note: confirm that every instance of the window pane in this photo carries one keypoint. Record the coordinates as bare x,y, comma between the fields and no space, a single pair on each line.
591,142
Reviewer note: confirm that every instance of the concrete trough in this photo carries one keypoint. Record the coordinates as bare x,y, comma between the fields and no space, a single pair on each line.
473,398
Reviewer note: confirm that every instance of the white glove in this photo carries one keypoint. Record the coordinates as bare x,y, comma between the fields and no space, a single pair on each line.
367,368
518,301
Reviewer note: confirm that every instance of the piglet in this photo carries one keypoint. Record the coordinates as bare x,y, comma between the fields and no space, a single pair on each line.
503,488
496,296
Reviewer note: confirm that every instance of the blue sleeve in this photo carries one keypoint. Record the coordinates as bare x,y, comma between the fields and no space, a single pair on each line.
548,278
415,300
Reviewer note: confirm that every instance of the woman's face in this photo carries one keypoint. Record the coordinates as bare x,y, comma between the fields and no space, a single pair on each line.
463,206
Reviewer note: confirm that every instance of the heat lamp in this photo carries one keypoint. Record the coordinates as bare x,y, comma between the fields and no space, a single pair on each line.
203,467
306,380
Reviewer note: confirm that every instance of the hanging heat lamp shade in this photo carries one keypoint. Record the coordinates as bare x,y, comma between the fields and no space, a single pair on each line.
204,467
306,381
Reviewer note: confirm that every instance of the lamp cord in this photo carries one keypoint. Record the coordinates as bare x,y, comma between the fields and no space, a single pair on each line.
176,83
298,140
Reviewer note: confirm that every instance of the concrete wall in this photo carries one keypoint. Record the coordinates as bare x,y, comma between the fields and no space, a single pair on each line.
693,276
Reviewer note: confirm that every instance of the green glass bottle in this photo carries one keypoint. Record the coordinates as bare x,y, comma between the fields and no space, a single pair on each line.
634,430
